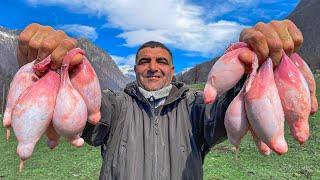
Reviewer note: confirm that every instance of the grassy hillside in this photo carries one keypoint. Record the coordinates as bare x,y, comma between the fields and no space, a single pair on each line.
66,162
301,162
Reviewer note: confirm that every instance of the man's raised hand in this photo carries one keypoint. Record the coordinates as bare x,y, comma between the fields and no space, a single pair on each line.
37,42
268,40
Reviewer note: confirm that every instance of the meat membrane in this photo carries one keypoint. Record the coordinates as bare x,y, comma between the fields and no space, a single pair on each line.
70,112
236,121
24,78
225,73
295,98
85,81
33,112
53,137
307,74
264,110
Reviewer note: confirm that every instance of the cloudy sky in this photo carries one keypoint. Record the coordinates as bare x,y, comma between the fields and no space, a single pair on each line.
195,30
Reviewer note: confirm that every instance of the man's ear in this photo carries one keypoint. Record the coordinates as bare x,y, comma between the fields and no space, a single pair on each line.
172,68
135,68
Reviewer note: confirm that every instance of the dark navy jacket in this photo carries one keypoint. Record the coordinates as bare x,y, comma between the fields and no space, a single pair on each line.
169,142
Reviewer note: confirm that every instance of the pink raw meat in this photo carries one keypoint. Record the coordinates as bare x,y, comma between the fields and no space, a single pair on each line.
33,112
70,112
53,137
236,121
307,74
264,111
262,147
237,125
84,79
24,78
225,73
295,98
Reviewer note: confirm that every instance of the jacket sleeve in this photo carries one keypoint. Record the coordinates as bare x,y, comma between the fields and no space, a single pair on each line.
209,119
97,135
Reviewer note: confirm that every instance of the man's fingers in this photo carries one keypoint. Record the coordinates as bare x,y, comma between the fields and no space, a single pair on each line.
257,42
273,41
36,41
59,53
50,43
268,40
295,34
22,58
24,39
247,57
284,35
76,60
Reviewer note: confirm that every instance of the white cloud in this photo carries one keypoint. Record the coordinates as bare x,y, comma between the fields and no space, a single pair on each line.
79,30
247,3
177,23
129,60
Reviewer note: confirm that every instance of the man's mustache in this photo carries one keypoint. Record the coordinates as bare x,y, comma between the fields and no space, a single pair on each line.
154,74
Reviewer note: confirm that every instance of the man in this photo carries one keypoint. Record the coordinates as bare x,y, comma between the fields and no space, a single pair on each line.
157,128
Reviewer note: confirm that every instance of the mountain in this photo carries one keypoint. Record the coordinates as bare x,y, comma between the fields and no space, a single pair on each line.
108,73
197,74
128,71
8,65
304,16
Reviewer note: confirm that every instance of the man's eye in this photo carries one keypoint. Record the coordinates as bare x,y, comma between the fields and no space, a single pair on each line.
162,61
143,61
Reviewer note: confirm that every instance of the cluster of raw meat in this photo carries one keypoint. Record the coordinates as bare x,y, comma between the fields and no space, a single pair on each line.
56,103
266,100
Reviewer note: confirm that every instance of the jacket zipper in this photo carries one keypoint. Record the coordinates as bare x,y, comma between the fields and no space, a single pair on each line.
155,136
155,143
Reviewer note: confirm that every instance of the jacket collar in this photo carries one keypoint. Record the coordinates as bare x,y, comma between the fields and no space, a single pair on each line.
178,91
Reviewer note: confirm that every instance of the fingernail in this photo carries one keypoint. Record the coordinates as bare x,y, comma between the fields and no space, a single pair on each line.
77,59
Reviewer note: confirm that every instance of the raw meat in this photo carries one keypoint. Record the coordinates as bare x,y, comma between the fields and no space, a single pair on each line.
295,98
225,73
307,74
33,112
235,120
85,81
264,111
70,112
24,78
53,137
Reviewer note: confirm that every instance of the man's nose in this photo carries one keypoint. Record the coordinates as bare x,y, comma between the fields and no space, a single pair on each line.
153,66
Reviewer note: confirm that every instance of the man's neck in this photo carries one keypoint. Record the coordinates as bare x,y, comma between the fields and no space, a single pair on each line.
158,94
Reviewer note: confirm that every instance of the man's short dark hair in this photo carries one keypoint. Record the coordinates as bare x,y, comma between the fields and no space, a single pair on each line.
154,44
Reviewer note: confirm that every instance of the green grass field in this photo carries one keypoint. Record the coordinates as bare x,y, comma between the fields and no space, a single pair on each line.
67,162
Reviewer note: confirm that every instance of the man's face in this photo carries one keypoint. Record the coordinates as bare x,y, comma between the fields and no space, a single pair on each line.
154,69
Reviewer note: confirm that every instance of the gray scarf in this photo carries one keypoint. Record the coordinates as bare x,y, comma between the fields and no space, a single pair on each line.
156,98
